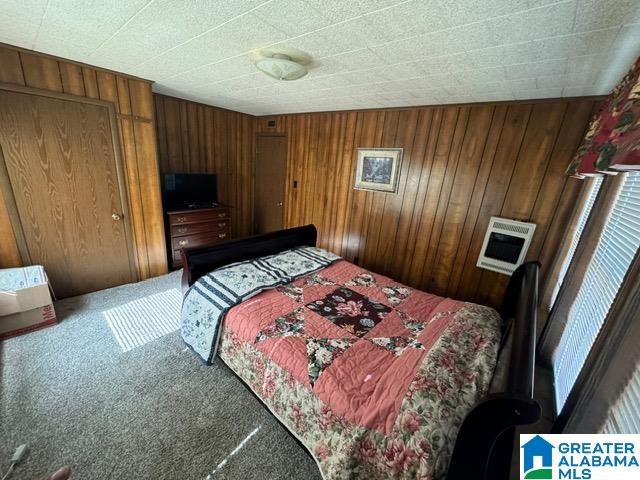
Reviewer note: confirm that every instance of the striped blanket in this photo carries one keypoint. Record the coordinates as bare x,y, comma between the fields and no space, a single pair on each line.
213,295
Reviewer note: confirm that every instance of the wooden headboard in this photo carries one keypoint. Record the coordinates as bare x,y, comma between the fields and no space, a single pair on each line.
200,261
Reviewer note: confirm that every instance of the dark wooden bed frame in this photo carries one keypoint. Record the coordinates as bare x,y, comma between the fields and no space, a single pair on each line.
485,441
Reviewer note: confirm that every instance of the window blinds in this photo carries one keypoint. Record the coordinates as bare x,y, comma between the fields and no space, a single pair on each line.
624,416
604,276
584,215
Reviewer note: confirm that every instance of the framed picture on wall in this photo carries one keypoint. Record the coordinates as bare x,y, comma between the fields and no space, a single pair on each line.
378,169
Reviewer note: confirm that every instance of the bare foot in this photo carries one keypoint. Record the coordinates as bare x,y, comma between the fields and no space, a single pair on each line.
62,474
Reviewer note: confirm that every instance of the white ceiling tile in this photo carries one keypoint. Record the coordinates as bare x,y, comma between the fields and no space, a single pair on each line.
457,62
20,21
502,55
625,50
436,44
486,75
378,74
459,98
471,37
482,88
408,19
521,84
586,63
547,21
440,80
582,91
293,17
349,61
538,93
422,101
93,21
253,80
173,92
67,48
333,40
596,14
329,81
502,96
365,53
461,12
551,81
578,44
155,29
530,70
241,35
340,10
215,72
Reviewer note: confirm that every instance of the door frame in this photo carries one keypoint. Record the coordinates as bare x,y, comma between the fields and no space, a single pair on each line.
253,177
9,198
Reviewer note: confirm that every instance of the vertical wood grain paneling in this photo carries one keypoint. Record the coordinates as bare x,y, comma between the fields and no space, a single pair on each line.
11,71
41,72
72,81
462,164
197,138
133,104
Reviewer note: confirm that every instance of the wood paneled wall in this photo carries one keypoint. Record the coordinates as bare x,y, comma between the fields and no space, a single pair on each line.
197,138
461,165
133,102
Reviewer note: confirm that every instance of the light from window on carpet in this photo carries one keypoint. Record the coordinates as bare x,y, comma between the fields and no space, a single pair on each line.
140,321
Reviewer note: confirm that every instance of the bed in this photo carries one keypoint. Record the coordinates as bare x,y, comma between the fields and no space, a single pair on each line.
375,379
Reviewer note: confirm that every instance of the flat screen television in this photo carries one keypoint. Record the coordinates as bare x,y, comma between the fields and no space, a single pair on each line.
190,190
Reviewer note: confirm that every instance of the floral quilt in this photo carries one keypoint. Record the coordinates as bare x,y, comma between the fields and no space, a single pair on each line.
209,299
372,376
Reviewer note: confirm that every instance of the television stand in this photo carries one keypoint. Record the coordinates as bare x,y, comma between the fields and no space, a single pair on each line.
195,227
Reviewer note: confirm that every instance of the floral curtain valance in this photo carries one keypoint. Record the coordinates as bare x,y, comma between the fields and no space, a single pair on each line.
612,143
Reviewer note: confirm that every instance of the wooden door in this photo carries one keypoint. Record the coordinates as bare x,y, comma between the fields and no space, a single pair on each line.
270,173
66,185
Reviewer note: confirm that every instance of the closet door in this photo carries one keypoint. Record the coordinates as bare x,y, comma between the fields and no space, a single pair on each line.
67,187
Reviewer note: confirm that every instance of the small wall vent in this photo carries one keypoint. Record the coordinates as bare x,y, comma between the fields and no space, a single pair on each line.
271,124
505,245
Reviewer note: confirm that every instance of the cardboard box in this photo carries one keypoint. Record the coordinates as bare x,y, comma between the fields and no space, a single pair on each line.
25,300
23,322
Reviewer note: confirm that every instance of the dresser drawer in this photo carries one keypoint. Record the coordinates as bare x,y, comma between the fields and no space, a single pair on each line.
203,227
198,216
199,239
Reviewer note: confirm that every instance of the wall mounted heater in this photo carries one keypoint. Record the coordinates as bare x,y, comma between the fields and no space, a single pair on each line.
505,245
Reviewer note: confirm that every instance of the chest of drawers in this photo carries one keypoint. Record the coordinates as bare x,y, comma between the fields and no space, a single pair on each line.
199,227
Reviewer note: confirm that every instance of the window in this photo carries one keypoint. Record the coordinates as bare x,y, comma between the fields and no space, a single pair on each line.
624,417
582,221
614,253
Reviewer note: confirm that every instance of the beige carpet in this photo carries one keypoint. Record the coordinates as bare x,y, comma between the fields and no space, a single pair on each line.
153,412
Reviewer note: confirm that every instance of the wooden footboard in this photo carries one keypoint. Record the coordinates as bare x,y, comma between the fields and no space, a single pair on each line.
485,441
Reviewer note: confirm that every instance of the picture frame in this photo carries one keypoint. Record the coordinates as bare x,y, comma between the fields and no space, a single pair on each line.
378,169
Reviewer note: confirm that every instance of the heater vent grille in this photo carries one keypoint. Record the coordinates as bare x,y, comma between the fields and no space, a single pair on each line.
505,245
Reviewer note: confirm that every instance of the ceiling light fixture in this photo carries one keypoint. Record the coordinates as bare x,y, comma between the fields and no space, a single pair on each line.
281,67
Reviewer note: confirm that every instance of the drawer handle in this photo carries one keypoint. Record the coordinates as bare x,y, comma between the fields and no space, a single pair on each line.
183,230
222,235
181,219
222,224
222,215
183,243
